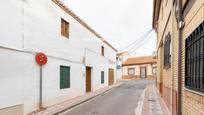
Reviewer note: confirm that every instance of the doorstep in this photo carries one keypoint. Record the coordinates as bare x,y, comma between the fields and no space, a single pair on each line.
66,105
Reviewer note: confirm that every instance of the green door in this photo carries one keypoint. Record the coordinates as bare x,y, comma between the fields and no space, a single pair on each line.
64,77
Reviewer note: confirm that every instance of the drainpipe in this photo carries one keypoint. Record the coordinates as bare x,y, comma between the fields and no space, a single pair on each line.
180,26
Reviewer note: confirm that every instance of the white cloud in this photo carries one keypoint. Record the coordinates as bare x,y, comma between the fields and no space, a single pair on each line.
119,21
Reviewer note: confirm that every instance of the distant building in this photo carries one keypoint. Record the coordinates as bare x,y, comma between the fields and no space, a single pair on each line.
139,68
121,57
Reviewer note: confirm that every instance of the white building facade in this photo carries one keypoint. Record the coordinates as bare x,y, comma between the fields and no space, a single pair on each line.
121,57
31,26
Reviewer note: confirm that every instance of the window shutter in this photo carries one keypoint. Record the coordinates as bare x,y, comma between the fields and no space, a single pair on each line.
102,77
102,50
64,28
64,77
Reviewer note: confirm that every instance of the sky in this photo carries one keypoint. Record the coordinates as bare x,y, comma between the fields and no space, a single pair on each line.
120,22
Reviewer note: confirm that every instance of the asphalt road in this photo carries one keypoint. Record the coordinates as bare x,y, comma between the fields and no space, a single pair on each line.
118,101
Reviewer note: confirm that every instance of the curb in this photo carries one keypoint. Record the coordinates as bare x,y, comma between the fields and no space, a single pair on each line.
140,106
145,101
86,100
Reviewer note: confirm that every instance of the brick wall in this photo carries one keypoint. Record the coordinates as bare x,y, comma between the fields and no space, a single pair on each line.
166,96
174,64
193,102
164,76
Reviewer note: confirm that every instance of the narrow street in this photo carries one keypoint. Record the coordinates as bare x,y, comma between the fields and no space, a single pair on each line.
102,57
118,101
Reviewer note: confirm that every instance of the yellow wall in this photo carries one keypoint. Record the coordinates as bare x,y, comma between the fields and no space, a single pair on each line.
164,26
193,102
174,51
165,76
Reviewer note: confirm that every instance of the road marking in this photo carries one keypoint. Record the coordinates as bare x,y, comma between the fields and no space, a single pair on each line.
138,109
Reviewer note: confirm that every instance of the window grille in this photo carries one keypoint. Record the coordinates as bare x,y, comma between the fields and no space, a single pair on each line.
194,60
167,51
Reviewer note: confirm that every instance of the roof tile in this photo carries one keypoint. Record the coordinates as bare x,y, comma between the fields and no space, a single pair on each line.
139,60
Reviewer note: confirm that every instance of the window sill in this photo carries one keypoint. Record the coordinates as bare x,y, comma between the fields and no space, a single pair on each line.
64,37
168,66
195,92
64,88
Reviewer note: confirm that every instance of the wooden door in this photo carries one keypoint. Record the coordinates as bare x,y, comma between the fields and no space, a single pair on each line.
111,77
88,79
143,72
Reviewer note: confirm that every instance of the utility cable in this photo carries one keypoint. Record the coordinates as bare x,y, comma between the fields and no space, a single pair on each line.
139,39
146,41
139,43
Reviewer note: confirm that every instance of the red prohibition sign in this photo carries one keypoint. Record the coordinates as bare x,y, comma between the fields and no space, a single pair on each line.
41,58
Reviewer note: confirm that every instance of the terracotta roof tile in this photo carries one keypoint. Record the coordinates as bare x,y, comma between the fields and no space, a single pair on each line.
139,60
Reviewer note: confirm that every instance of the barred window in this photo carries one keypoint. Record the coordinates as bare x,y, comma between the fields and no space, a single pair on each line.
131,71
194,60
167,51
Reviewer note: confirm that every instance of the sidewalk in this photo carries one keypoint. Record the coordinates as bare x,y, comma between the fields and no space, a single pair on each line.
152,102
61,107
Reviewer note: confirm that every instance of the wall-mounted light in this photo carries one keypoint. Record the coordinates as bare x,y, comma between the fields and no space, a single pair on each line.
180,23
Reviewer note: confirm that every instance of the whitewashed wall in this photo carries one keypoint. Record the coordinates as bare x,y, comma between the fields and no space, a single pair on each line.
119,70
11,62
11,24
35,26
11,78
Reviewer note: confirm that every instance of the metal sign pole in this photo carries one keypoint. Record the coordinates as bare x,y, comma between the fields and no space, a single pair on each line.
41,60
40,101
